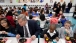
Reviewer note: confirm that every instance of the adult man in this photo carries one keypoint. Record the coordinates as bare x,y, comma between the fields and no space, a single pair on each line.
69,6
27,28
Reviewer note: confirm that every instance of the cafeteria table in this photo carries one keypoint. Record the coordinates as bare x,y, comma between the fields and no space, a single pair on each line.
41,40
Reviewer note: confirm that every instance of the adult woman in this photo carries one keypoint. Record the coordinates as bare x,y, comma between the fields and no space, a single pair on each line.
63,6
6,29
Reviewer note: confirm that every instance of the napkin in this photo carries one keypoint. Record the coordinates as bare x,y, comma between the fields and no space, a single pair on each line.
8,41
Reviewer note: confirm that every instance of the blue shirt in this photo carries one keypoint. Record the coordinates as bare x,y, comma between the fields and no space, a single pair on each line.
35,14
63,21
24,7
19,11
50,15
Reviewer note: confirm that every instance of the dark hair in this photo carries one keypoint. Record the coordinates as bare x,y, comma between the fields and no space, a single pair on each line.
75,7
4,20
14,7
50,12
47,11
41,11
35,10
30,16
19,8
9,13
52,25
6,8
10,7
24,4
42,17
24,9
30,10
63,17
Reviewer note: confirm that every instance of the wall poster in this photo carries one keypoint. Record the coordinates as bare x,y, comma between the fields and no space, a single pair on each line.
2,1
31,1
51,1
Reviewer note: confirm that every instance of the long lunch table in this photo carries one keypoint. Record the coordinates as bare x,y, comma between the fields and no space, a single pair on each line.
41,40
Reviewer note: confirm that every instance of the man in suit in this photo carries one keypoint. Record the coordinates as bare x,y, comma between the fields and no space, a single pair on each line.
69,6
27,28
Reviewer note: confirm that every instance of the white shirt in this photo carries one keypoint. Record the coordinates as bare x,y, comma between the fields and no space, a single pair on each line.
51,34
42,23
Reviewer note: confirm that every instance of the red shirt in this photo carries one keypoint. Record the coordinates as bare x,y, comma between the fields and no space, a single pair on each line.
54,20
11,21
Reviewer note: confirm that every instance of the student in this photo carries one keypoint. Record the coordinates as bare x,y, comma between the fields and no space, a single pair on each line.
1,16
46,6
60,14
11,9
54,19
30,11
50,15
35,13
24,12
6,29
42,21
66,30
63,20
19,10
42,12
51,33
24,6
14,8
9,17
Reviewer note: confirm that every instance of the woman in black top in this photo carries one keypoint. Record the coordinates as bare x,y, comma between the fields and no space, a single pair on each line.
58,8
63,6
6,30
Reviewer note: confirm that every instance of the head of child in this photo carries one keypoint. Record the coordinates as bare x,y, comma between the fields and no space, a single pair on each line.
42,17
46,3
4,23
42,12
61,13
67,24
24,4
53,14
52,27
63,17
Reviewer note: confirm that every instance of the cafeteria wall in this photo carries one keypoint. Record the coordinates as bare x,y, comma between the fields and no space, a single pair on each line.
7,3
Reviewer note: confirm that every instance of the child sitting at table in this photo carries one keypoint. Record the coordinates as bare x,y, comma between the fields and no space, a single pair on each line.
60,14
63,20
66,30
6,30
54,19
51,33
